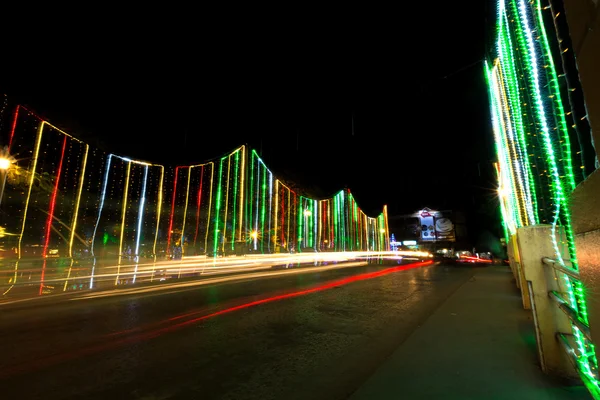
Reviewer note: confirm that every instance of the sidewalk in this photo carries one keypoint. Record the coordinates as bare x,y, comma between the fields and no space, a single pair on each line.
480,344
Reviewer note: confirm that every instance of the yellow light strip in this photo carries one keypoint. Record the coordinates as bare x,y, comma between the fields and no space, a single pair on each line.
159,207
516,183
123,215
78,201
68,274
63,132
36,152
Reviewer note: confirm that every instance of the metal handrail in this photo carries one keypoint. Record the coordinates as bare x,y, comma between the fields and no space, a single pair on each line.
565,341
573,316
566,270
571,313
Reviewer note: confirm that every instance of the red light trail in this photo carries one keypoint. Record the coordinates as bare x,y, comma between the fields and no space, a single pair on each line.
147,332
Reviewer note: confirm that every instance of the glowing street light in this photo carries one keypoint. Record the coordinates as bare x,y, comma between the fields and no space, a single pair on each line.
6,162
254,236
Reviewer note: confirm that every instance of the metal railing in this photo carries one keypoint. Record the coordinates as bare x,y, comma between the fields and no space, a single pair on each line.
567,340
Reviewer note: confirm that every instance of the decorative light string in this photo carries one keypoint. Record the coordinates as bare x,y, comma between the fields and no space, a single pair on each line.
535,164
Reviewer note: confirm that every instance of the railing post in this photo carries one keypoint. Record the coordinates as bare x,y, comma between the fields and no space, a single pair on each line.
512,258
515,264
534,243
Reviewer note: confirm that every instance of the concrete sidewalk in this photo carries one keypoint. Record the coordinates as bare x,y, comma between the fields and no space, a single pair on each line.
480,344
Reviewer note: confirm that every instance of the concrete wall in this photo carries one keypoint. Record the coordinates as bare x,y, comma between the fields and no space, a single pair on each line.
583,18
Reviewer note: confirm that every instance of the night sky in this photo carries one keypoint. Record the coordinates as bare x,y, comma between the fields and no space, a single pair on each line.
394,110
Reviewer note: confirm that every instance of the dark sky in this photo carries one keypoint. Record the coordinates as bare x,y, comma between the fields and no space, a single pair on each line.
412,82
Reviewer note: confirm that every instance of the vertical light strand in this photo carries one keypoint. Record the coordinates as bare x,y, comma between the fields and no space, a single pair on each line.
320,206
557,100
218,210
386,227
101,206
139,223
78,199
199,203
313,223
250,199
289,215
276,214
302,237
263,207
140,218
123,216
270,211
210,200
234,208
257,201
170,231
158,208
13,127
187,197
36,152
226,202
242,190
50,218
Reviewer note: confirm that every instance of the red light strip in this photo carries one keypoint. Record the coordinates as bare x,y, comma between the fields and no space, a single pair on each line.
53,199
14,126
51,213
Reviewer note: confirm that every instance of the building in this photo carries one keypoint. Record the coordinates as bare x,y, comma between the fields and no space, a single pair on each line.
431,229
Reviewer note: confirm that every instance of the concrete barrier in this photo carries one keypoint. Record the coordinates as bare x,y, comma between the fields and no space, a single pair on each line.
533,244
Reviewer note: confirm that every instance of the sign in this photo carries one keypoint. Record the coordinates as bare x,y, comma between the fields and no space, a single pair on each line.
427,228
434,226
444,229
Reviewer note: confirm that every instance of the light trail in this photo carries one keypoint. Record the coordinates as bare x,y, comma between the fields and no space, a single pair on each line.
154,330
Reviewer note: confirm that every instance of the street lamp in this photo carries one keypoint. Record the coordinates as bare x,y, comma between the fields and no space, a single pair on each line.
6,162
254,236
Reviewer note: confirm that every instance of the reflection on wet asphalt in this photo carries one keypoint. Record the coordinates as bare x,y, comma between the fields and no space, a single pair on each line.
287,337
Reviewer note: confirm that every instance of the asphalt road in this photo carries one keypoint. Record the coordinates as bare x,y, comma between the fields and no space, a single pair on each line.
311,335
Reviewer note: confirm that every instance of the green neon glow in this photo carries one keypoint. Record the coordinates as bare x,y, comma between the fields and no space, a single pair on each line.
218,209
535,160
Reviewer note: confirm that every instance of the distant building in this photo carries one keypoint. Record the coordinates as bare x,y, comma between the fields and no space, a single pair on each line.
431,229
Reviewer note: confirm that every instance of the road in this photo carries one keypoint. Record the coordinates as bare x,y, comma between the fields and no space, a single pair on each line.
311,333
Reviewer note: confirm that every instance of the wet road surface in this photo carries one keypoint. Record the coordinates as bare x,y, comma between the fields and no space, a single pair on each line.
311,335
